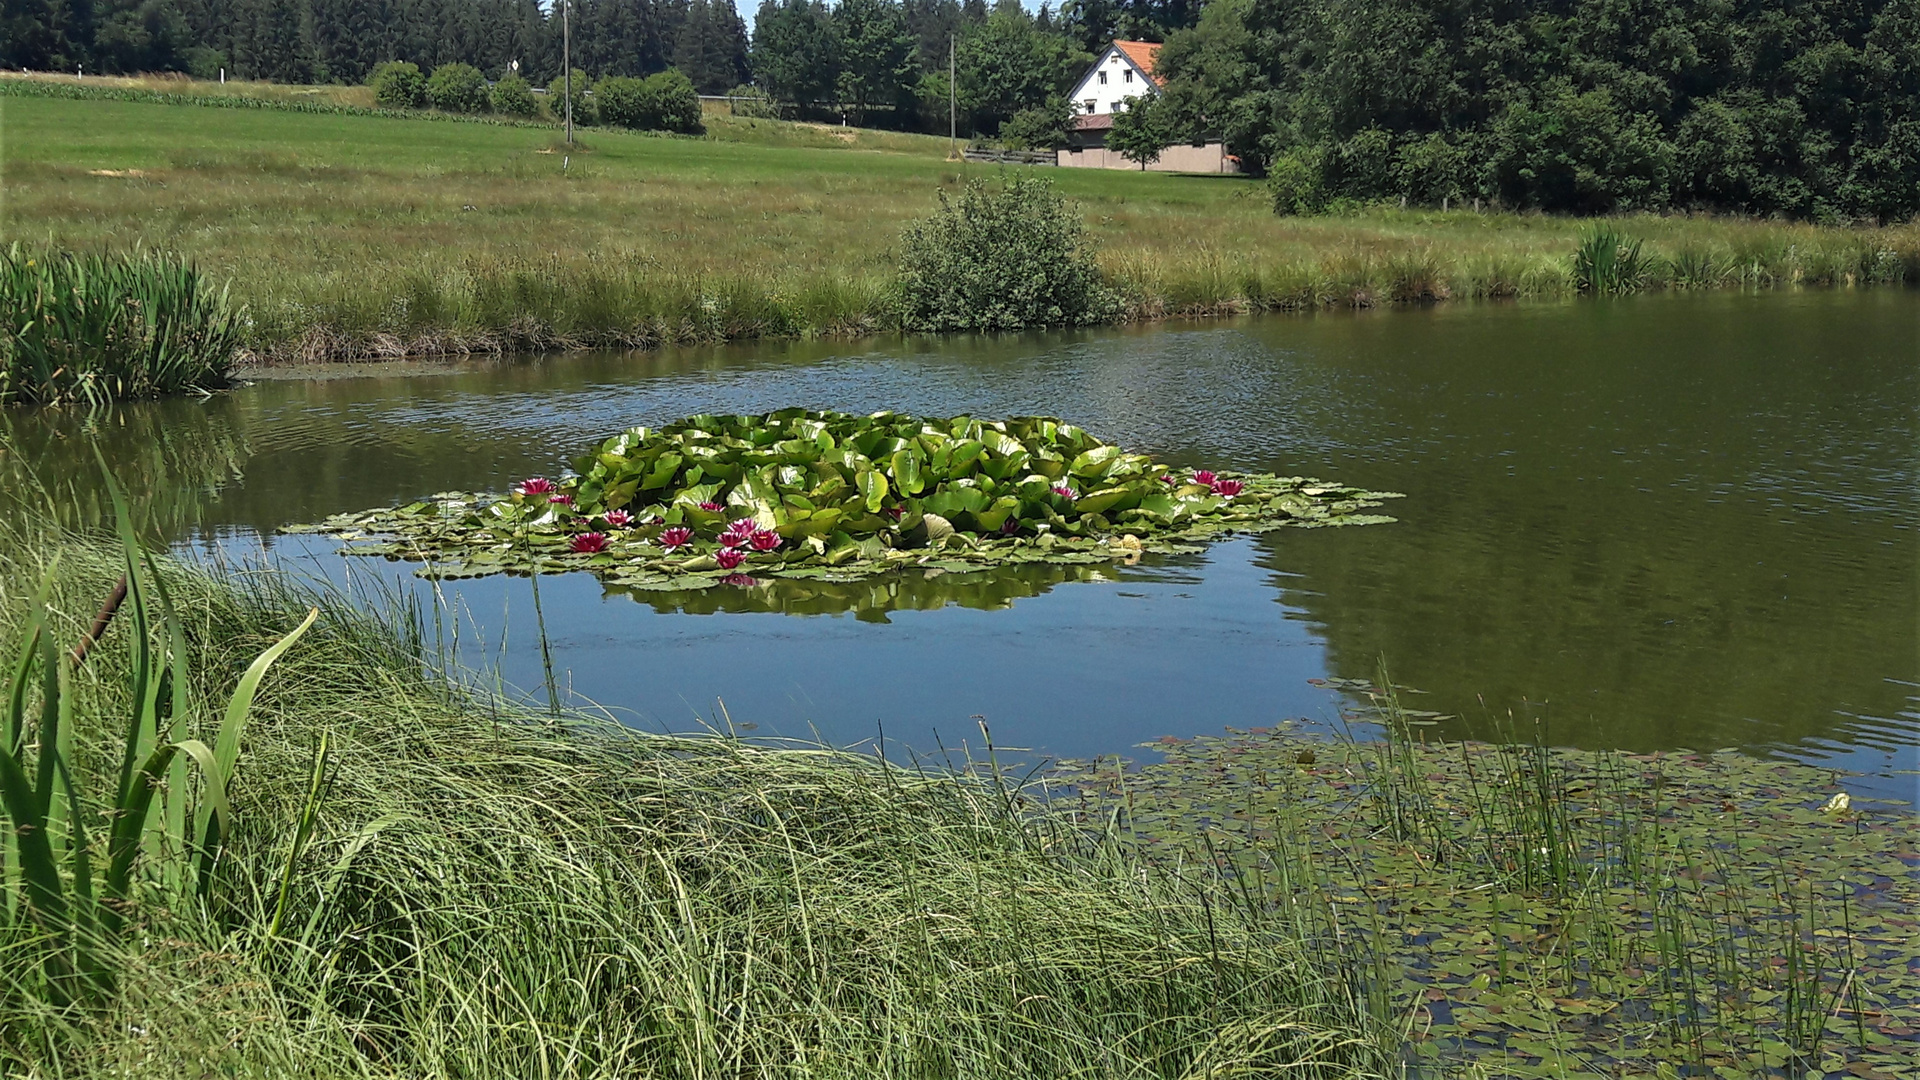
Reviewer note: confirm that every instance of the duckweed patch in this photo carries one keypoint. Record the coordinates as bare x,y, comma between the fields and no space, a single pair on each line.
1530,911
834,497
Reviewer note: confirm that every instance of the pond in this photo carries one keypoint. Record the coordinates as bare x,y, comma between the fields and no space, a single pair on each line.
1647,523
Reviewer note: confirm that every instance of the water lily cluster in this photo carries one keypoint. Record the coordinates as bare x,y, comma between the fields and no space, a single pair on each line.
799,493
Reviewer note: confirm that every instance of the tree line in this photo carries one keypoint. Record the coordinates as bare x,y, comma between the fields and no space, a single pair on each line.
317,41
1800,108
874,61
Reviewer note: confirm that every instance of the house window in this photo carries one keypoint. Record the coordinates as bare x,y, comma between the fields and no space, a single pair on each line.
1103,78
1090,104
1117,106
1128,77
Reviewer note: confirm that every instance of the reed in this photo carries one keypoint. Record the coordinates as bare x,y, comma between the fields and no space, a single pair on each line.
100,328
424,881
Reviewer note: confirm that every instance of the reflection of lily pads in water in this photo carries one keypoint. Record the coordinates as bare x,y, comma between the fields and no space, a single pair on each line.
833,498
1544,913
870,598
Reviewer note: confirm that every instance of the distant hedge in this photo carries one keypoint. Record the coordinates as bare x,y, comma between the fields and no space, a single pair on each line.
46,88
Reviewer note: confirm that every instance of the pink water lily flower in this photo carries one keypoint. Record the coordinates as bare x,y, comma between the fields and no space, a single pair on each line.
728,558
1203,476
591,543
1228,488
560,500
738,532
676,538
618,519
1065,492
1010,526
711,507
534,485
1170,478
764,540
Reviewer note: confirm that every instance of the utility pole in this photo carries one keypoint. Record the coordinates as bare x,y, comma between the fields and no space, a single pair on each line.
953,111
566,64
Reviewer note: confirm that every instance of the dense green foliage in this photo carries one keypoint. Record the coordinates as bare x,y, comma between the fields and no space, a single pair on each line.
513,97
398,84
419,882
1038,127
710,500
98,328
886,61
585,109
459,88
1001,259
1757,106
661,102
303,41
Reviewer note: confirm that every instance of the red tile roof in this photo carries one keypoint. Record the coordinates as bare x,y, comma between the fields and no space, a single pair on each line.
1141,53
1095,122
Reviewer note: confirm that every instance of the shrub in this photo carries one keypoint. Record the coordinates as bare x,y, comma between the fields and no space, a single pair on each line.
205,63
675,102
514,97
1297,180
662,102
398,84
585,109
1042,127
458,88
1001,260
621,101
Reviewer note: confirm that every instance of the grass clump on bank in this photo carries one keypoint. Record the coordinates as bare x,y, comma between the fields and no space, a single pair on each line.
419,883
100,328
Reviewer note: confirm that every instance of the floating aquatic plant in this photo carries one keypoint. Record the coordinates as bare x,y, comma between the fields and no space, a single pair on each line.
1544,912
834,496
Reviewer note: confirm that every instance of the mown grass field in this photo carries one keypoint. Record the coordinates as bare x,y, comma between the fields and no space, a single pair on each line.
367,234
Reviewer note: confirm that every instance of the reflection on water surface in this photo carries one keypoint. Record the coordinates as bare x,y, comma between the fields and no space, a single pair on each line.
1658,522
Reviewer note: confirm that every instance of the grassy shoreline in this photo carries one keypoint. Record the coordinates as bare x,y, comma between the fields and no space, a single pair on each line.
489,892
374,236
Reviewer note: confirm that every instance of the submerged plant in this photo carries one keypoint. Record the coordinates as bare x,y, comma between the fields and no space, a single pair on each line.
827,495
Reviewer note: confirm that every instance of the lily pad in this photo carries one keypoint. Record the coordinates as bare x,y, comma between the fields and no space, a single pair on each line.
708,498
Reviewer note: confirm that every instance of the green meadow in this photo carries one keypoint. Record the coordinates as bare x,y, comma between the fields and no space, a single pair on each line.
354,234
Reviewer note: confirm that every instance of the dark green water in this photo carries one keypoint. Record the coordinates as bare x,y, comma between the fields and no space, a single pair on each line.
1669,521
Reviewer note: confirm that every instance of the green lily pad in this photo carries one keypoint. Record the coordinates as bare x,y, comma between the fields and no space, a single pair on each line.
848,495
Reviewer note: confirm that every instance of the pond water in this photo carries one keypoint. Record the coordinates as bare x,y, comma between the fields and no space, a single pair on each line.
1649,523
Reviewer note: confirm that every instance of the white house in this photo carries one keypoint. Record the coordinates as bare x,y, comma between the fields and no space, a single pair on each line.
1120,74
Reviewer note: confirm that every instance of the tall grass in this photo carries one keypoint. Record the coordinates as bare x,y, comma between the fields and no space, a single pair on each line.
1604,263
474,892
99,328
